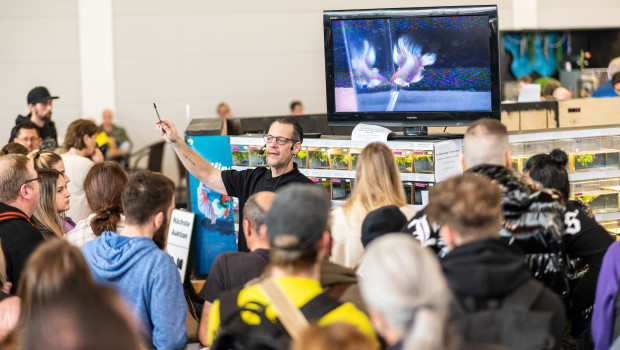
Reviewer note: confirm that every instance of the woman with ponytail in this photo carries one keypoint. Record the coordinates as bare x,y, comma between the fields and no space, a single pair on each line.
53,203
406,294
103,186
50,160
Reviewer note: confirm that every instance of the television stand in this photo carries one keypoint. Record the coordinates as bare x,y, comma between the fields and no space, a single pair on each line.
421,133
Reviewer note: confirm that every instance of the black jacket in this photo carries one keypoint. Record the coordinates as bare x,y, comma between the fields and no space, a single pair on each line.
489,269
19,239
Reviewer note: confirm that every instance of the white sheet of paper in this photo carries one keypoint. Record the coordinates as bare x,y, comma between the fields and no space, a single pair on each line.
529,93
367,132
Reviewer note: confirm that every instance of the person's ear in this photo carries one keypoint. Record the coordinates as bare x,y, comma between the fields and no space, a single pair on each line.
449,236
26,192
247,228
297,147
508,159
31,107
158,220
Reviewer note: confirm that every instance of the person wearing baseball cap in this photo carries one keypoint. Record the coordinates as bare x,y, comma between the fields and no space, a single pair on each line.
40,106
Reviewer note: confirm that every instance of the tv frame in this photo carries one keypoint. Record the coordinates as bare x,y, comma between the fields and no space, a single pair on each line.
412,118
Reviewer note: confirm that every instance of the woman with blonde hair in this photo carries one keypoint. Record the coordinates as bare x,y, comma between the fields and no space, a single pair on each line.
103,186
82,153
53,203
406,294
377,184
50,160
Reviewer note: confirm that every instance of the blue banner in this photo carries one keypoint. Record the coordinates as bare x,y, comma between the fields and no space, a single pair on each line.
214,230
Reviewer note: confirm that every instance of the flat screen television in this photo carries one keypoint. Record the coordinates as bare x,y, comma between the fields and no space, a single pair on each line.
412,67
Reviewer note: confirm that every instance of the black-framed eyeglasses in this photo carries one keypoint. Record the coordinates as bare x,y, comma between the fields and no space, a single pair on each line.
37,179
280,140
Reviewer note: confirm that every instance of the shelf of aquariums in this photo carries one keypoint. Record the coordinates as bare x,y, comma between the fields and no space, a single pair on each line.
338,143
350,174
594,174
607,216
569,133
338,203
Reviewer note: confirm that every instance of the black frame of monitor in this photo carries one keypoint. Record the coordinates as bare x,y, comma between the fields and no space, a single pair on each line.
412,118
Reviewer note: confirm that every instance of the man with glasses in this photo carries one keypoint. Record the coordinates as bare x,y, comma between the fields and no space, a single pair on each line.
19,197
40,106
27,135
282,143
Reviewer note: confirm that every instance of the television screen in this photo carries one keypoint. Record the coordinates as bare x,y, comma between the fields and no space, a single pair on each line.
386,63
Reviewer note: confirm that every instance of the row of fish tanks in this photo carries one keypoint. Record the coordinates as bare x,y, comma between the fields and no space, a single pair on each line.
416,193
585,154
408,161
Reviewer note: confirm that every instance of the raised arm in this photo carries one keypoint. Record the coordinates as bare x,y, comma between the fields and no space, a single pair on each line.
195,164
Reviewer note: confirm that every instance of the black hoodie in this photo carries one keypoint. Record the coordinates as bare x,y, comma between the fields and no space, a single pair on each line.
49,138
489,269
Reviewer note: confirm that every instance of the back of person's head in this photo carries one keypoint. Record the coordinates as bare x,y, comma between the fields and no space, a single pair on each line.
550,170
485,142
146,194
382,221
614,67
52,270
295,224
468,204
256,208
298,132
377,181
13,175
13,148
84,318
550,87
44,159
335,336
104,186
405,284
46,215
74,138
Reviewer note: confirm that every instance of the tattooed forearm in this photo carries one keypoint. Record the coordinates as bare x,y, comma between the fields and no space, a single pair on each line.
190,160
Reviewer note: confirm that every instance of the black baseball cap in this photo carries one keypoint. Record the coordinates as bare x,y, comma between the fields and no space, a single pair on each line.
300,211
39,94
382,221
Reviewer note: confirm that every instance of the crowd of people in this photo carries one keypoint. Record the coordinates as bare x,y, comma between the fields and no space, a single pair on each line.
496,260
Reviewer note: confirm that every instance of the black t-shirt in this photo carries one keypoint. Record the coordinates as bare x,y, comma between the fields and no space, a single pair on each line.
233,269
243,184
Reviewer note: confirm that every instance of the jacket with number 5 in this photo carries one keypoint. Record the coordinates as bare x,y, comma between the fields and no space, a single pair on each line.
557,238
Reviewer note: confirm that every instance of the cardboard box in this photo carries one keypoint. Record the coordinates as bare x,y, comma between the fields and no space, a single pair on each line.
589,112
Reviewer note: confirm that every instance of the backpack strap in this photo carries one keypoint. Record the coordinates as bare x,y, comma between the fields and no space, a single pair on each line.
336,290
291,317
319,306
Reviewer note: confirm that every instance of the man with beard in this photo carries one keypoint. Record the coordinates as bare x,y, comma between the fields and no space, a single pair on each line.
282,143
40,106
136,265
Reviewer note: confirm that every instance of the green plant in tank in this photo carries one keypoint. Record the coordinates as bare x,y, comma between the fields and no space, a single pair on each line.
240,157
586,198
428,157
302,154
340,158
319,155
585,159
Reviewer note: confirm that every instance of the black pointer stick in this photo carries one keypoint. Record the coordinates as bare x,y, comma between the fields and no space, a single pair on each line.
154,105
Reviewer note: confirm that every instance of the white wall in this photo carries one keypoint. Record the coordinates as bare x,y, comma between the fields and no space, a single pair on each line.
255,55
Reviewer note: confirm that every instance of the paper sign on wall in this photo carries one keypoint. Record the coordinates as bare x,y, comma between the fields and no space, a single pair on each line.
179,238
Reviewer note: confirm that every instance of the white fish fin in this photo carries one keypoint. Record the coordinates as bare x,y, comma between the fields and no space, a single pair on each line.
418,76
371,56
400,82
398,57
416,50
428,59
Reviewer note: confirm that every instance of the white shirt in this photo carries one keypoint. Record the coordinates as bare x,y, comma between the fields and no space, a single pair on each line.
83,233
